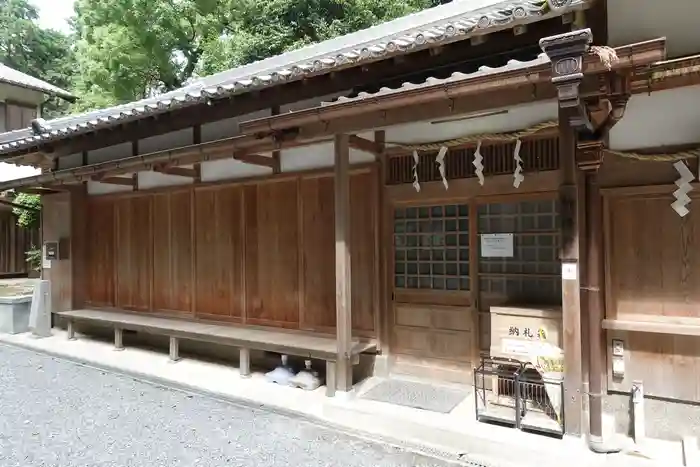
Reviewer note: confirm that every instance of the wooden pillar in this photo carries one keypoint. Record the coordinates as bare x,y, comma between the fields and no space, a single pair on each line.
566,53
343,289
78,245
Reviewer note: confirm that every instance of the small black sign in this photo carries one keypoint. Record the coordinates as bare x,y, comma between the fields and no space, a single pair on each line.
51,251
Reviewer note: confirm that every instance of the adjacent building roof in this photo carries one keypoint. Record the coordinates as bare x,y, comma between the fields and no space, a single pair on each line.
443,24
17,78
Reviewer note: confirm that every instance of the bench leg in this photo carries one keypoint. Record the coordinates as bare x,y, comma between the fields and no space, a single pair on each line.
330,379
118,339
71,330
244,362
174,349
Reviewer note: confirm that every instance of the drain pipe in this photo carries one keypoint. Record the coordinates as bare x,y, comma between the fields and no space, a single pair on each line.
595,315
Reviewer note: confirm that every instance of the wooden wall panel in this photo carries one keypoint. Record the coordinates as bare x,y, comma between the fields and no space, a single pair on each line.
134,250
653,276
258,253
654,264
318,253
100,269
363,257
219,253
272,253
318,247
15,241
172,251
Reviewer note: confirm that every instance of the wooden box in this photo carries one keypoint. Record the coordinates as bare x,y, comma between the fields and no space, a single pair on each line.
516,331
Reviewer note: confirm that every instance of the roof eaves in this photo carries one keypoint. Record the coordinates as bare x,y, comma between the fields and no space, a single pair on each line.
436,26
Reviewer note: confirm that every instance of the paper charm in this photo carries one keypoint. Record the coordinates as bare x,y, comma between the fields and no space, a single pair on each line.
440,159
518,176
478,163
680,205
416,183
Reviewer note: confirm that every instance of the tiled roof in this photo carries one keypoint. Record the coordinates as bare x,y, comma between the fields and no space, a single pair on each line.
17,78
511,65
443,24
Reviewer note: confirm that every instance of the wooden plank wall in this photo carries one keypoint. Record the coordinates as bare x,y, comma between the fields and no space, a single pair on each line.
14,243
653,276
256,253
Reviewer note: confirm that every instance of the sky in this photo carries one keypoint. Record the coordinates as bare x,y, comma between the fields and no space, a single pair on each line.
52,14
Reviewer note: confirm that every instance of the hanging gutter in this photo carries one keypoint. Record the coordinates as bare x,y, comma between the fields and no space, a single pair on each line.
513,74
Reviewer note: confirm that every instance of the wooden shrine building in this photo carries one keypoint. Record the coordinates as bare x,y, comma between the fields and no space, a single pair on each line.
461,183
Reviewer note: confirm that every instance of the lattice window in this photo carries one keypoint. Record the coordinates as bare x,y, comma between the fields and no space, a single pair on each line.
532,275
431,247
537,155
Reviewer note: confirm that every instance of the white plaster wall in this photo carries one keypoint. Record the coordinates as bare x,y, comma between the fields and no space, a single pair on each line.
662,118
317,156
70,161
516,118
170,140
110,152
632,21
229,127
96,188
148,180
231,169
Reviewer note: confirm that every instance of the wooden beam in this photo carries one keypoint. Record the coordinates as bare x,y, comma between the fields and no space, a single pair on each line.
364,145
257,159
20,206
115,180
569,254
37,190
276,155
343,287
178,171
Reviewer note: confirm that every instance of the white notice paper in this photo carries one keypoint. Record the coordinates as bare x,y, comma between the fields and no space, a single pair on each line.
45,263
497,245
568,271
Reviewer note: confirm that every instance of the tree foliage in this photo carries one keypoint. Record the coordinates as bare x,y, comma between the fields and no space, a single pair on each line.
131,49
27,218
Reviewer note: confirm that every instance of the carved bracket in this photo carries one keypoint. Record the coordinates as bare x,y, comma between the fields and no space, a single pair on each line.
590,154
566,53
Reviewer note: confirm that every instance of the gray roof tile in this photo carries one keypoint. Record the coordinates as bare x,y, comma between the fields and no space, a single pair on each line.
17,78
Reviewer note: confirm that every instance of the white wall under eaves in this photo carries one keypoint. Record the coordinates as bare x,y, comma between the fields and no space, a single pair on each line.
632,21
663,118
321,155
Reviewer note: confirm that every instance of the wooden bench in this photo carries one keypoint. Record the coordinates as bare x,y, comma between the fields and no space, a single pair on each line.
245,338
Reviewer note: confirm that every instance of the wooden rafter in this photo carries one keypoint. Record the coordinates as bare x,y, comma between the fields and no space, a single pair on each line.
37,190
365,145
193,173
257,159
123,181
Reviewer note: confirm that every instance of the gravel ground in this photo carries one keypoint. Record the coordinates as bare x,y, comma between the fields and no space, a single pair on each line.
57,413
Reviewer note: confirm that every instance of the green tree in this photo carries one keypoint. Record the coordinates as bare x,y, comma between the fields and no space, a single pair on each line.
131,49
29,219
44,53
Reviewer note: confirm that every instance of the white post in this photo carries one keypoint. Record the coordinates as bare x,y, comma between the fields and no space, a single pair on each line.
40,312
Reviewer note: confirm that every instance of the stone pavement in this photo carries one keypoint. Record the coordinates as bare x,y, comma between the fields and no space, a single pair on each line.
57,413
454,436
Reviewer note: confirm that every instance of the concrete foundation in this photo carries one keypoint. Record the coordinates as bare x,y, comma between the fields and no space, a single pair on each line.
664,419
14,314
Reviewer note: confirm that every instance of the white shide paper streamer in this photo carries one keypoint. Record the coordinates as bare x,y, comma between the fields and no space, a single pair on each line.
478,163
518,176
416,183
440,159
680,205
